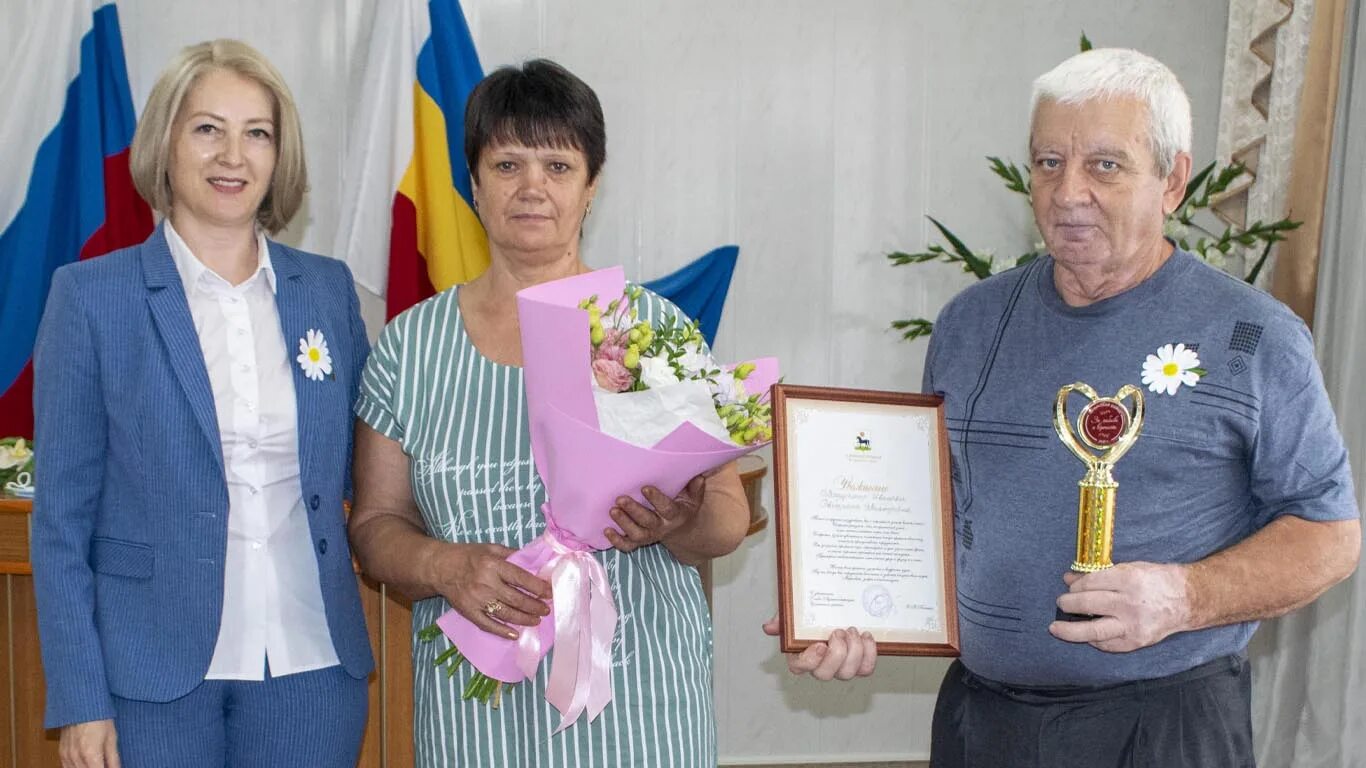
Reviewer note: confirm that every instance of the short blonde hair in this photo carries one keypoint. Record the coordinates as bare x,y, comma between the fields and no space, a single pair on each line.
150,155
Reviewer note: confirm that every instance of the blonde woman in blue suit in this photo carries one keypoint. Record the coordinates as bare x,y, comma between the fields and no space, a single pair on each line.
196,598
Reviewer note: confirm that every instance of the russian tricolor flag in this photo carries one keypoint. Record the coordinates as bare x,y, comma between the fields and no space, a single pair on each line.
408,227
66,193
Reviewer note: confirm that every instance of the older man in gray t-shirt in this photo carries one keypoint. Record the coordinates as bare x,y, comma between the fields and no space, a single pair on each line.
1235,504
1251,441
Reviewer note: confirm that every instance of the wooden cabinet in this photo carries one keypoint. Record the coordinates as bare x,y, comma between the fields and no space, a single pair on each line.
388,741
22,738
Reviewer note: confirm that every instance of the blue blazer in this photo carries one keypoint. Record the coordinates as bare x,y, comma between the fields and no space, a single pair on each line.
130,517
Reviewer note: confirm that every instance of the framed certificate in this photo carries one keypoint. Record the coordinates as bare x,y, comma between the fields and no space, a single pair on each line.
864,519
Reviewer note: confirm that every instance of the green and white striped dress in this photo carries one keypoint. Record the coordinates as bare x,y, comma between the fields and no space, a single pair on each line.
462,421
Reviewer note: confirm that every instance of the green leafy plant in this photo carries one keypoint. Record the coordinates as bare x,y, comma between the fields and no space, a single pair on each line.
1183,226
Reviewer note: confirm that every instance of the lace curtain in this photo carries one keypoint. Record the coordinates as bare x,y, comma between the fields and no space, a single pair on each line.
1264,59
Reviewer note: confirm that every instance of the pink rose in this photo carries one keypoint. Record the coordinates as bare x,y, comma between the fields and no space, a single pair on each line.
612,375
613,346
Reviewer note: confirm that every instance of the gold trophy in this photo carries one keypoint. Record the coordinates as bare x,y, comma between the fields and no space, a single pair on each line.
1109,427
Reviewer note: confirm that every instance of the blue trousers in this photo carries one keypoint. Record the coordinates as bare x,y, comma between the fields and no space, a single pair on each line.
305,720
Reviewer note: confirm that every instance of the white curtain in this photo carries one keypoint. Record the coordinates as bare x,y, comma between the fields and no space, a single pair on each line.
1309,708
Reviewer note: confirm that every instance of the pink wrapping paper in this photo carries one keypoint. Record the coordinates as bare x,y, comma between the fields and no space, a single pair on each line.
584,472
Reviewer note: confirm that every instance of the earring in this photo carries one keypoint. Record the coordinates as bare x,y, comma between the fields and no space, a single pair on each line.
588,209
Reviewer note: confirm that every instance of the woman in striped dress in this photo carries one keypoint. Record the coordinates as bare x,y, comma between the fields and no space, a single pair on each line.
446,487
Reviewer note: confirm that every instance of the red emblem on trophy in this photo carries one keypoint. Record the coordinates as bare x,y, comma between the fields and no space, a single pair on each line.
1103,422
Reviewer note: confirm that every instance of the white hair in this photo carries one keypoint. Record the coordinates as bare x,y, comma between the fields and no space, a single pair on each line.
1107,73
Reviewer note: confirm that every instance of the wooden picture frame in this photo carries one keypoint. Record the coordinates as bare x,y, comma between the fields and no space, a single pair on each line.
864,518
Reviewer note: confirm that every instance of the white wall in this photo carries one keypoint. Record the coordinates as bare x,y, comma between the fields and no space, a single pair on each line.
814,134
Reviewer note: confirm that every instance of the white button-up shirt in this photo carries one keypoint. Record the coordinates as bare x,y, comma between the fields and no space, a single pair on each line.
272,600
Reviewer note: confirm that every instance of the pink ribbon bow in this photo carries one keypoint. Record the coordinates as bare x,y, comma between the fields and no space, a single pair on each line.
585,622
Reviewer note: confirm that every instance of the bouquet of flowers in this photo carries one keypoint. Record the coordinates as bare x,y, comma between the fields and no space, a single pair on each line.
16,466
615,404
647,381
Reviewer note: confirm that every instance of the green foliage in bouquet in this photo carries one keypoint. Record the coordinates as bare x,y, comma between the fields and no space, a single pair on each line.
480,687
16,456
1181,226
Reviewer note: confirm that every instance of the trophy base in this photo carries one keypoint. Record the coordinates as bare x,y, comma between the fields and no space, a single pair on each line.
1061,615
1080,567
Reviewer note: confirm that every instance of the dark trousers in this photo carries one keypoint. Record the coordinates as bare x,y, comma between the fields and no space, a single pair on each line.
305,720
1200,718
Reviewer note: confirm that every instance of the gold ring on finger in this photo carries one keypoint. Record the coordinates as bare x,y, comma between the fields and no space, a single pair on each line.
492,608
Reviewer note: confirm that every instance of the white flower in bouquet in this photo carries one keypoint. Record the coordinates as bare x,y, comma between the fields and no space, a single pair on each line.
728,389
16,463
15,454
657,373
694,361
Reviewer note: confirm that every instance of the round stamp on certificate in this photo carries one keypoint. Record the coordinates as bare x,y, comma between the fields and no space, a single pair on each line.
877,601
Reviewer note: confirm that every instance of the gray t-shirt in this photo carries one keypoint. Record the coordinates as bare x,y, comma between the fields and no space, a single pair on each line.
1255,438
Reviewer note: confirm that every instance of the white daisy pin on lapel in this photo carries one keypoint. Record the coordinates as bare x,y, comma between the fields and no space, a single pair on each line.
1171,367
313,357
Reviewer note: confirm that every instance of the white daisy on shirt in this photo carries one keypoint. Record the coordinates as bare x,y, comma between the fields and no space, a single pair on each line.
1171,367
313,357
